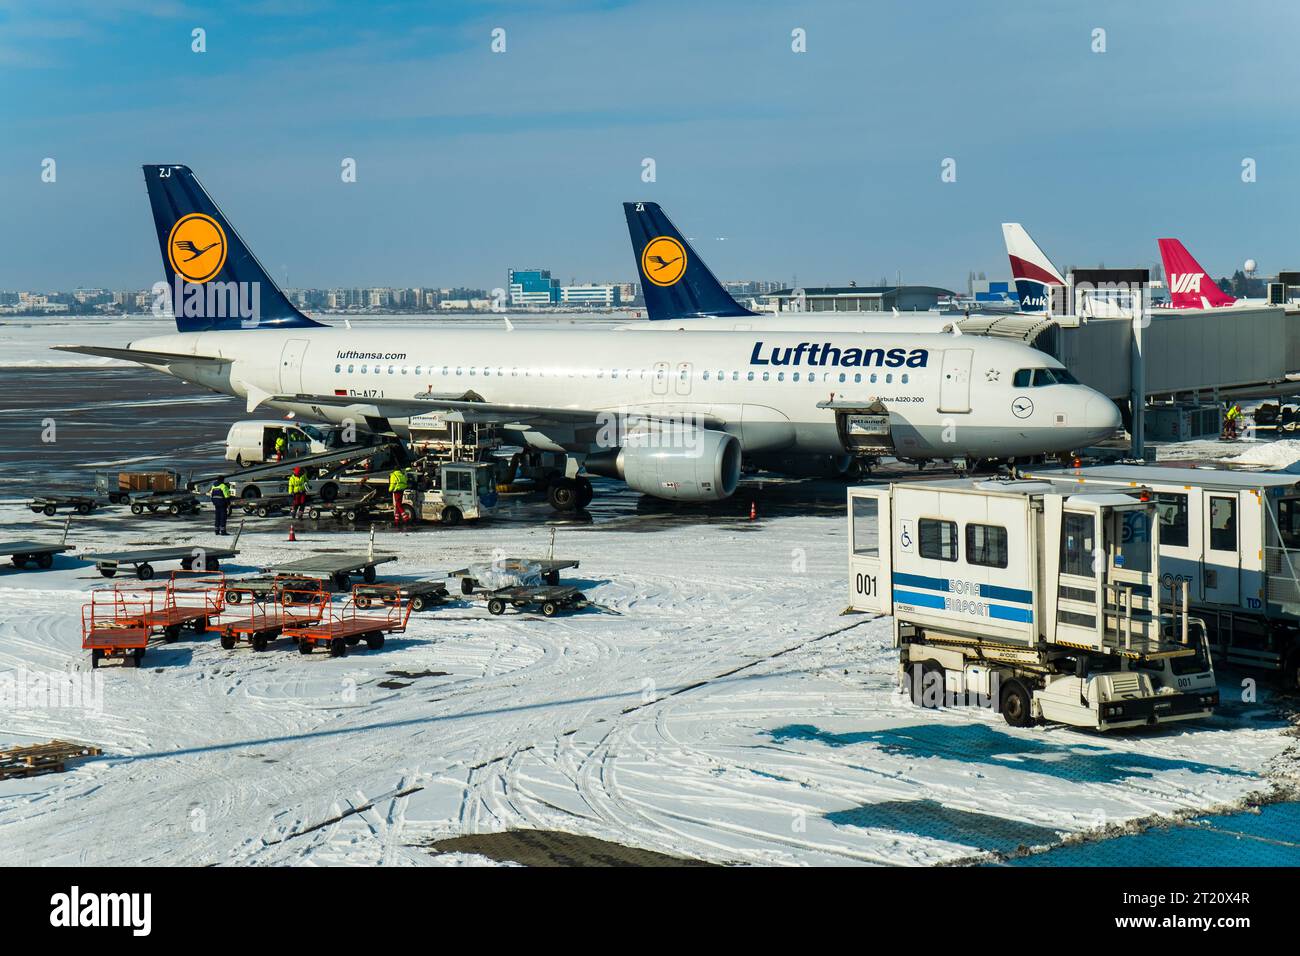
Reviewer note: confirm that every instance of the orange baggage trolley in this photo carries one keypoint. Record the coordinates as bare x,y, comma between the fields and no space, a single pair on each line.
112,625
259,622
343,625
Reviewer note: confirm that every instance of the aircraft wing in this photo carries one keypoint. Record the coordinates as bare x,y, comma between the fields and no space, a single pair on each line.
143,357
468,411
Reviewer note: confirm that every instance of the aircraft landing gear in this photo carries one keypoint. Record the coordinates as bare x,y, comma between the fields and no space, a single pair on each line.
569,494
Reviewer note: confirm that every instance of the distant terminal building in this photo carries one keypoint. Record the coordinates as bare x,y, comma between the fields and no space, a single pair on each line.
857,298
533,287
607,295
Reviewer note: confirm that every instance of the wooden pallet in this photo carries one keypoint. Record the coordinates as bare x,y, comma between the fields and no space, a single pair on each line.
42,758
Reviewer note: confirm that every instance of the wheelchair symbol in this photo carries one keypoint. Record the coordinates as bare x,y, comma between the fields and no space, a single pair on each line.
905,539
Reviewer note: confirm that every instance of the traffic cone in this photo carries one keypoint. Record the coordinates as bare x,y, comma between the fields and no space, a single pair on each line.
753,511
292,536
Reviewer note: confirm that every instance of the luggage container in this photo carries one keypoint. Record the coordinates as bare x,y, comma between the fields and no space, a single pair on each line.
1030,600
1233,538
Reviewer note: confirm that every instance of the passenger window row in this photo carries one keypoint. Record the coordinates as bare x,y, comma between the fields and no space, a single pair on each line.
614,373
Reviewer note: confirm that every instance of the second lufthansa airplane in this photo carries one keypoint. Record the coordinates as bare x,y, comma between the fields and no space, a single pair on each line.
670,414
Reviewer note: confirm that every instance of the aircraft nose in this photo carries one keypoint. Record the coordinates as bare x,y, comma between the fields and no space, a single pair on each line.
1101,415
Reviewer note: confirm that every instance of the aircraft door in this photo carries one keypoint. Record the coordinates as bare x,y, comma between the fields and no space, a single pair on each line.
291,357
659,381
684,378
954,389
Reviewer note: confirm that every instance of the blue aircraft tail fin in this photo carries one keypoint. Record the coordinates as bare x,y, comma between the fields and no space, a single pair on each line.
214,280
675,281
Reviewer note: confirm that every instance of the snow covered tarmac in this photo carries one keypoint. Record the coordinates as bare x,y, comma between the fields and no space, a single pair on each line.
716,705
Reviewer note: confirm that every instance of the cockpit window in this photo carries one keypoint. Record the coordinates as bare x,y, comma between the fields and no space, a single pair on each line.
1035,377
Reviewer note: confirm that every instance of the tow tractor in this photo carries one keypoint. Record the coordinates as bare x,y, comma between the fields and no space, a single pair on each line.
1040,601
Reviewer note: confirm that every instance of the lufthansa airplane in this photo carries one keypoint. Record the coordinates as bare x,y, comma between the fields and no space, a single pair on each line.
668,414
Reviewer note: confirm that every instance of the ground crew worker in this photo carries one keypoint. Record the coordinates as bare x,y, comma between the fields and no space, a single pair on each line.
397,484
1233,420
220,495
298,488
279,447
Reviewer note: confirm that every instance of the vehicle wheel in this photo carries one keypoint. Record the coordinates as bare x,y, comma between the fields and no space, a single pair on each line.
375,641
552,578
234,597
83,509
451,516
259,642
496,606
20,561
45,561
108,572
920,683
137,655
1015,704
152,508
305,647
369,574
585,493
313,514
263,512
96,656
562,494
171,634
350,515
467,585
329,491
173,509
362,601
211,564
408,513
550,609
50,511
338,648
341,582
417,603
352,641
228,642
137,509
251,491
144,572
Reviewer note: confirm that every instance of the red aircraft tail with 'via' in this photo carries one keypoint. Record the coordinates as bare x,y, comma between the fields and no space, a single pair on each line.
1190,286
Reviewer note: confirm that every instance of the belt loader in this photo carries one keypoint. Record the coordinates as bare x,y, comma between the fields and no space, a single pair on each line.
1023,597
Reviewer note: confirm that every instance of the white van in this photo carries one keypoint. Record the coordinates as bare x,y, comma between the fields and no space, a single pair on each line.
252,443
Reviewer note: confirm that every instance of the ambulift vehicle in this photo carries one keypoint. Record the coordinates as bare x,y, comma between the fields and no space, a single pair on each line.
1040,602
1233,537
342,625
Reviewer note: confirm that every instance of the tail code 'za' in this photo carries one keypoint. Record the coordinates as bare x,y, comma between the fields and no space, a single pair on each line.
1032,271
1190,286
674,280
213,279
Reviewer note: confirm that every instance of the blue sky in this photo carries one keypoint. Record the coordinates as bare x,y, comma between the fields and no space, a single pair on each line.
823,165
